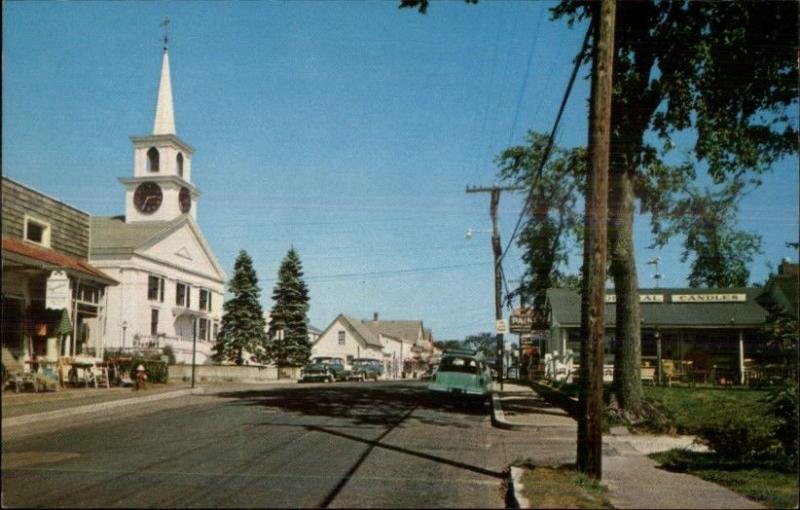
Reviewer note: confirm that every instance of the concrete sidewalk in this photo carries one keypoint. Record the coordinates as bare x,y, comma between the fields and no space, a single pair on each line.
633,480
25,407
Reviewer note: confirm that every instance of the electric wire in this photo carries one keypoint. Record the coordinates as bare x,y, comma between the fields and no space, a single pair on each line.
548,148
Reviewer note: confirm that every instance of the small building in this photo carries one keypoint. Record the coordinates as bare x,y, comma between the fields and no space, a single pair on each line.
403,346
348,338
54,301
720,327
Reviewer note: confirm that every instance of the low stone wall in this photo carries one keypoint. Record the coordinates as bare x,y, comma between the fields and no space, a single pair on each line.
231,373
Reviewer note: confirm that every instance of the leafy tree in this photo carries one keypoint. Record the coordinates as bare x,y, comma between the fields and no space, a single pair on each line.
553,216
722,254
243,326
483,342
448,344
289,315
725,70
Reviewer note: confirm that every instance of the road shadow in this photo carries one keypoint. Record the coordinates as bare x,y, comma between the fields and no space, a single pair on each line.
361,404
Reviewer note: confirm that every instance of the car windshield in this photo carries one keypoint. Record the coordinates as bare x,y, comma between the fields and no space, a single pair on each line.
364,362
459,364
324,361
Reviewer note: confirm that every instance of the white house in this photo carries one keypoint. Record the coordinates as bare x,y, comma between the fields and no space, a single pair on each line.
171,284
397,344
348,339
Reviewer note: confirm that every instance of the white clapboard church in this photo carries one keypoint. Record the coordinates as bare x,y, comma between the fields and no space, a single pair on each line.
170,283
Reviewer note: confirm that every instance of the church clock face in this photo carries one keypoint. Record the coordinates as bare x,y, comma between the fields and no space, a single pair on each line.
185,200
147,197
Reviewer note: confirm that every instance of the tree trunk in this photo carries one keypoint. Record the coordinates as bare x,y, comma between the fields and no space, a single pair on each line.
627,386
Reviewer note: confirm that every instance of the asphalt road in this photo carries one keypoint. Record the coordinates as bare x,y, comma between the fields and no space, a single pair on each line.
316,445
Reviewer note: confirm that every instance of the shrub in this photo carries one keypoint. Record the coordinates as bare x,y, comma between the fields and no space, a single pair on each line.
157,371
783,405
740,432
169,352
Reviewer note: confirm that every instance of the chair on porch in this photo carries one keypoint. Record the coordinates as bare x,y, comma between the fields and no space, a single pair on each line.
649,375
16,374
669,372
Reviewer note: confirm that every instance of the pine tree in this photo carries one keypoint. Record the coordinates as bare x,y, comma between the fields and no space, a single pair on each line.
289,315
243,326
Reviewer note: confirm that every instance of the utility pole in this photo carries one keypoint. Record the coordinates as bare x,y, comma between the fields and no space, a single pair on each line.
498,253
590,402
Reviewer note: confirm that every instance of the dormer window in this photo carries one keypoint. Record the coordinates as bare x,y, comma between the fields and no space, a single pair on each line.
152,160
180,164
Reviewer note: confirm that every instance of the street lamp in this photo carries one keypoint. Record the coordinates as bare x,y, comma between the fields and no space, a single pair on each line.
124,327
279,339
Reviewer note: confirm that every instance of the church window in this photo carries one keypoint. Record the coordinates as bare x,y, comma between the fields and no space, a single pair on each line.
202,329
205,300
180,164
182,295
152,159
154,321
341,337
155,288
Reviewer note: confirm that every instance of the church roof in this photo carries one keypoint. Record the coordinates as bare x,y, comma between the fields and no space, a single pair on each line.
112,236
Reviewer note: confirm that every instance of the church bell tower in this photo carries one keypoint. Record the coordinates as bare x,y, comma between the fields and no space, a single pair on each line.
161,188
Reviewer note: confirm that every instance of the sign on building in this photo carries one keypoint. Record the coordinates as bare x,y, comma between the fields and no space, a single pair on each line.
57,294
521,320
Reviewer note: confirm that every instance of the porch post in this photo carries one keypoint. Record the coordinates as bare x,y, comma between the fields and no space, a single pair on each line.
741,357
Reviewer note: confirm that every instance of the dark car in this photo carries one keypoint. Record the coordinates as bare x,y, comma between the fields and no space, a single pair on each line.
367,368
325,368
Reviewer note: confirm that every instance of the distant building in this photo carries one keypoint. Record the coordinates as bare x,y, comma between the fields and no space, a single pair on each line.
402,346
171,284
54,300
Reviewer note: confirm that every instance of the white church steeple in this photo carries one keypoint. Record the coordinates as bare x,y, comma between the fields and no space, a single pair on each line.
164,123
161,188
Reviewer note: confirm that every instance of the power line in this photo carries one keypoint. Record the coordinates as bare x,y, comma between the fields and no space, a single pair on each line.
546,155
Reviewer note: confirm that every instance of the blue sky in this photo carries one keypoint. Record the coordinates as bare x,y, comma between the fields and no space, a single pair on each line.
348,130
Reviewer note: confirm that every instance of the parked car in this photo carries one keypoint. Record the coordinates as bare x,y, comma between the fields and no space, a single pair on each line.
462,372
325,368
367,368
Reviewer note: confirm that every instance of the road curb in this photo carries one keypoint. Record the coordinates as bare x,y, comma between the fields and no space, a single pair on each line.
27,419
516,499
499,417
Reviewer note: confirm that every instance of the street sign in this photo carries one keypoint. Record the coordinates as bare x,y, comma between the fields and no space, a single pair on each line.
521,320
500,326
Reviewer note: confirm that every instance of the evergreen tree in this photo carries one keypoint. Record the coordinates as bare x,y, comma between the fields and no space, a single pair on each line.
289,315
243,326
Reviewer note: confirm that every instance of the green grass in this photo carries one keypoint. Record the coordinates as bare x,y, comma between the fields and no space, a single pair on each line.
691,408
768,481
562,487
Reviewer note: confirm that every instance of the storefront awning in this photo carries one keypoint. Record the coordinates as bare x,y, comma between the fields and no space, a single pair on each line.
43,258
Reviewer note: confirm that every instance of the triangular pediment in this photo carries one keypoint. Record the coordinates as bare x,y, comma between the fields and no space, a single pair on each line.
184,253
183,246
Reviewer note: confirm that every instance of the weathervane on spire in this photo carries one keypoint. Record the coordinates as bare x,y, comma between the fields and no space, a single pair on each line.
164,24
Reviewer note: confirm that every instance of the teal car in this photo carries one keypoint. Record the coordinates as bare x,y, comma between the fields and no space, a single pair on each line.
367,368
464,373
